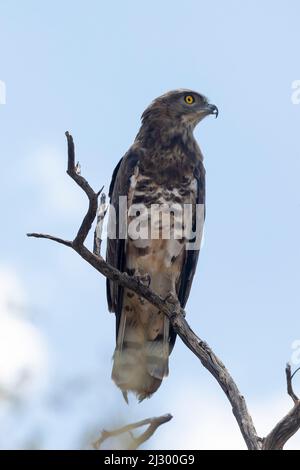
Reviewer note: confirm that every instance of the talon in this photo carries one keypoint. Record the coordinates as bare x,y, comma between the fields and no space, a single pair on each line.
171,299
148,280
145,280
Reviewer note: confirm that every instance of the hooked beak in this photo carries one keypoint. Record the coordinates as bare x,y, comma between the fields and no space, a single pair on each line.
212,109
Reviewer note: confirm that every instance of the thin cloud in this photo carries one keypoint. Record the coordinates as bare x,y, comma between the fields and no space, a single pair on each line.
45,173
22,348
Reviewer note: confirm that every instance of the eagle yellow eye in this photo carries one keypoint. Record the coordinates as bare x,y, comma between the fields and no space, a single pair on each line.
189,99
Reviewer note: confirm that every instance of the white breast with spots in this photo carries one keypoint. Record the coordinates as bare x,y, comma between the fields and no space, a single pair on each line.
159,248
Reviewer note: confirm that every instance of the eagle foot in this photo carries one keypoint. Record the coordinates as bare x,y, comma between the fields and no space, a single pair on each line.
171,299
144,279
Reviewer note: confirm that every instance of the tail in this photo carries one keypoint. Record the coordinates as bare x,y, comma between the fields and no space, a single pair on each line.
140,363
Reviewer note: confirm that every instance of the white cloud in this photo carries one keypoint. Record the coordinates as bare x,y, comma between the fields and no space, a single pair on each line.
22,350
45,170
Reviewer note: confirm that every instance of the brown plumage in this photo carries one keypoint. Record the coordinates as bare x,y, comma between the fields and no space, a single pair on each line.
164,166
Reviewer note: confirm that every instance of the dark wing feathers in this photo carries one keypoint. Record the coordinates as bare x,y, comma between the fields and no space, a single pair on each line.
113,178
115,254
189,267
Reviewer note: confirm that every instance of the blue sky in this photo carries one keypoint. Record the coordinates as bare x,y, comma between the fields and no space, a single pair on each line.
92,67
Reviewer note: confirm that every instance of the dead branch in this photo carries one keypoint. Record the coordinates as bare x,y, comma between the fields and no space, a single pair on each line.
171,308
153,424
290,424
289,381
99,225
50,237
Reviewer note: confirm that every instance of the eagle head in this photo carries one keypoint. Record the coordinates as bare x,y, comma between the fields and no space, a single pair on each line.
179,107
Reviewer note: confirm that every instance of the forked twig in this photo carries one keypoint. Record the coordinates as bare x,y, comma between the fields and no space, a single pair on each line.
152,423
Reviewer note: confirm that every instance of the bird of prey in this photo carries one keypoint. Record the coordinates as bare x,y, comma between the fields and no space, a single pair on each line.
163,166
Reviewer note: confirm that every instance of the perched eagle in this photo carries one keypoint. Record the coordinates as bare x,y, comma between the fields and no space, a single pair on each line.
163,167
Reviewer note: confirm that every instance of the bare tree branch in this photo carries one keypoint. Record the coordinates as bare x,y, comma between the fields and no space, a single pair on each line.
284,430
50,237
290,424
295,372
172,309
289,381
92,196
153,423
99,225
